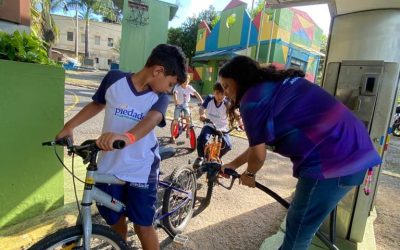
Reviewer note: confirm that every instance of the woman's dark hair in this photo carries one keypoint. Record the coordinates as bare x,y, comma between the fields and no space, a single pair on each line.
218,87
246,73
171,58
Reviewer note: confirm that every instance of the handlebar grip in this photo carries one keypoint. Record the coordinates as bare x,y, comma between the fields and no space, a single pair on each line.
119,144
231,172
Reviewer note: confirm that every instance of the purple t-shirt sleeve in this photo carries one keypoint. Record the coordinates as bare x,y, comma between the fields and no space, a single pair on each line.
161,106
111,77
253,126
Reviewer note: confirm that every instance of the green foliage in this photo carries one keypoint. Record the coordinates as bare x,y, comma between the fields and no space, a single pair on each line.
23,48
186,35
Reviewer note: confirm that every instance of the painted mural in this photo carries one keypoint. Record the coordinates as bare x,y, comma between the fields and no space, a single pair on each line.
283,37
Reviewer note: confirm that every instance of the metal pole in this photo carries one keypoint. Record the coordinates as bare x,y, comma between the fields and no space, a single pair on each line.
76,32
248,34
270,37
260,31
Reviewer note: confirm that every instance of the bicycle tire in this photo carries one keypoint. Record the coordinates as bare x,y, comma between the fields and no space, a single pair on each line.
183,178
210,188
64,238
192,138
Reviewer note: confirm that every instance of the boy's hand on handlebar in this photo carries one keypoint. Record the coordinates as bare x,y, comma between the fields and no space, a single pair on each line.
106,140
65,132
203,118
223,167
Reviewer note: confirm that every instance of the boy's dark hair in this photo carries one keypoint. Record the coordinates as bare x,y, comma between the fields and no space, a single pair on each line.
218,87
171,58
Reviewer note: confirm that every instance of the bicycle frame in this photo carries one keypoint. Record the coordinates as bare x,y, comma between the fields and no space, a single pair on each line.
92,193
88,151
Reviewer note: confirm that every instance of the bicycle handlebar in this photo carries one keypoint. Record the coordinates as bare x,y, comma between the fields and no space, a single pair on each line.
89,144
209,122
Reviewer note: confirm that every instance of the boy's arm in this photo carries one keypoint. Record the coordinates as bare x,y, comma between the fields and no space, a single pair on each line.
175,96
85,114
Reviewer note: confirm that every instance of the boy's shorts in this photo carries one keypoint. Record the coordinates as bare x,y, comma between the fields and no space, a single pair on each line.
139,199
179,108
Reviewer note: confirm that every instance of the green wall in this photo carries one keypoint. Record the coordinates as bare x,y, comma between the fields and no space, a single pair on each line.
137,41
32,111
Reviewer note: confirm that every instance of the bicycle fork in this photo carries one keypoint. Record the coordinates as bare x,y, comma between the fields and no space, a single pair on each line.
90,194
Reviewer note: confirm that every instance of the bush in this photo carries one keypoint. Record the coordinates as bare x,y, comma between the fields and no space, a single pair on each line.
23,48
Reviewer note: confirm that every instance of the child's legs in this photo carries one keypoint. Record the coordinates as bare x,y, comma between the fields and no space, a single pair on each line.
226,145
186,114
202,139
147,236
140,208
312,202
116,220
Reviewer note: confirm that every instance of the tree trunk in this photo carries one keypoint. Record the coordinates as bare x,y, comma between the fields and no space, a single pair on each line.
87,55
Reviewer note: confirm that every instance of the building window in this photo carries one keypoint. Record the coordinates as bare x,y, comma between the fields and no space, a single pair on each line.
82,38
97,40
110,42
96,60
109,61
70,36
298,64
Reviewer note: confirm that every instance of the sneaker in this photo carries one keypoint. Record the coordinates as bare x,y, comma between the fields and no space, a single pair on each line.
197,163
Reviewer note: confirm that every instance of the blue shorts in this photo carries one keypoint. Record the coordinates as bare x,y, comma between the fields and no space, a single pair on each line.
181,108
139,199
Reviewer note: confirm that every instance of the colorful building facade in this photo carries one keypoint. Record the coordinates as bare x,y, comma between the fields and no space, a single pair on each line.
284,37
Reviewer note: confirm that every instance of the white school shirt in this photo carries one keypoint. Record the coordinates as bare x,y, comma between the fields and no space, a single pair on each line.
124,108
183,94
217,113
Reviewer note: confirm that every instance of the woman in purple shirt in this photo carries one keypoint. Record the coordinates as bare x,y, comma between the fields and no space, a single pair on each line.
329,147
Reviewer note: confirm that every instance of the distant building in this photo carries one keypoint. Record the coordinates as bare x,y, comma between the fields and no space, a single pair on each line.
104,39
283,37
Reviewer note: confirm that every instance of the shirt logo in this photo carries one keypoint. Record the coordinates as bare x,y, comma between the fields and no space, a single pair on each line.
130,113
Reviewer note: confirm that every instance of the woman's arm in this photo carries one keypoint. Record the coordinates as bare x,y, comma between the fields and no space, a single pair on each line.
256,157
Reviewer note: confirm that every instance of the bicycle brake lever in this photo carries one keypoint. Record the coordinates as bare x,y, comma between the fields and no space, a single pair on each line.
227,187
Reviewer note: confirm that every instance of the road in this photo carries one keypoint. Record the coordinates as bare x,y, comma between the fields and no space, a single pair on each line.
242,218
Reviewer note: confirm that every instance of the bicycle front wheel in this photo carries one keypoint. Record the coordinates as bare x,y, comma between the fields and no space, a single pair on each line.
103,237
175,202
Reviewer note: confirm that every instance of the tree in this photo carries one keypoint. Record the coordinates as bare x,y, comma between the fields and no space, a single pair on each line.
43,24
186,35
320,71
87,8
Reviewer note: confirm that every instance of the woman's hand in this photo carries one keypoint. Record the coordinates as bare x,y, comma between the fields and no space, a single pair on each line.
248,180
106,140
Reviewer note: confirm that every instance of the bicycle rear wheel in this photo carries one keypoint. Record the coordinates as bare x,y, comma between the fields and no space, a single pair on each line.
103,237
184,179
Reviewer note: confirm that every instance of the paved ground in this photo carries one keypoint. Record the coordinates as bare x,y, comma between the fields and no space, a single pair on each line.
241,218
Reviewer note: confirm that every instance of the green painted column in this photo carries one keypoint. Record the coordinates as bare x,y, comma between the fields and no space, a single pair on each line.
31,111
138,40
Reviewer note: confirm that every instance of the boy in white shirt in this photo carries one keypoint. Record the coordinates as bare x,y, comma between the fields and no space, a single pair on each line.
134,105
216,106
181,95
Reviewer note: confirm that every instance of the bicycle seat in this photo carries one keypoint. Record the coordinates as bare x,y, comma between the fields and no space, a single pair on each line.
166,152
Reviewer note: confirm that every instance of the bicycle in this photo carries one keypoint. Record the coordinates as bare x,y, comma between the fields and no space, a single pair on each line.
181,126
173,213
212,152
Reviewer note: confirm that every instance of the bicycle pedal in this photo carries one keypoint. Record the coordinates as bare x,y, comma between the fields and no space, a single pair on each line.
181,240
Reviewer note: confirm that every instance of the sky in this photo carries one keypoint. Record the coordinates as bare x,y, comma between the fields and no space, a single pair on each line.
319,13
